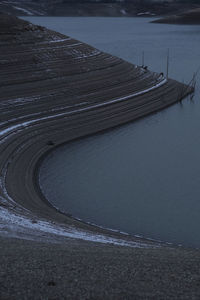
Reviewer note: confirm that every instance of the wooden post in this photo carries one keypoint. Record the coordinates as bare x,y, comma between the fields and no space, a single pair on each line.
143,58
167,63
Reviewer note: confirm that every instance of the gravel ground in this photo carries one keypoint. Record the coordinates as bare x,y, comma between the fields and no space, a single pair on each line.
82,270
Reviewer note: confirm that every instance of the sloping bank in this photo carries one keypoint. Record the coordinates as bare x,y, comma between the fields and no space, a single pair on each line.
55,89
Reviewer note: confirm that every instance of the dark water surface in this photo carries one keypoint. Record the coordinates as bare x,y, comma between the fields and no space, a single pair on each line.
144,177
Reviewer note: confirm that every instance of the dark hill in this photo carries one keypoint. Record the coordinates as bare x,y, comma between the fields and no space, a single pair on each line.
111,8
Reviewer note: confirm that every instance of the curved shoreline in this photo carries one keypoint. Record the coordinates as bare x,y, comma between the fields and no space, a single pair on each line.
62,97
57,215
94,226
50,255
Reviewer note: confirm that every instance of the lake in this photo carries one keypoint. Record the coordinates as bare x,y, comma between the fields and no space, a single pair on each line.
143,177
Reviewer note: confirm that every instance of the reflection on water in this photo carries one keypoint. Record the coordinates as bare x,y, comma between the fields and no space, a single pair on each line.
144,177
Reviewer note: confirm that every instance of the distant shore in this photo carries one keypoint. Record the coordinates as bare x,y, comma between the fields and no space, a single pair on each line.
94,8
191,17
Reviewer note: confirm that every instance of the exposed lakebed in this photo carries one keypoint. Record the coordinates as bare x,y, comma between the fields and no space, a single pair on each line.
144,177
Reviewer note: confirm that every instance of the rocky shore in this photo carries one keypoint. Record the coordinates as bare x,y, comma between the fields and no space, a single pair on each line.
55,89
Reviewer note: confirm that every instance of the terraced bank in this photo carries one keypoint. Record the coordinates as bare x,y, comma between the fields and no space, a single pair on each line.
55,89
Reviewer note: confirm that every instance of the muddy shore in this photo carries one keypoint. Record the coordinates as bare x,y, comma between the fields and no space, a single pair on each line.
55,89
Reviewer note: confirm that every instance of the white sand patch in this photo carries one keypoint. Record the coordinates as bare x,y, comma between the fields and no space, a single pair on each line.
15,225
23,10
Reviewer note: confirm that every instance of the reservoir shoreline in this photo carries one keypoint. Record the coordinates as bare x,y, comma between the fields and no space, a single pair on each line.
56,123
33,123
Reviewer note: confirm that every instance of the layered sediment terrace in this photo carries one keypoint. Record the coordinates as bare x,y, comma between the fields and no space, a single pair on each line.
55,89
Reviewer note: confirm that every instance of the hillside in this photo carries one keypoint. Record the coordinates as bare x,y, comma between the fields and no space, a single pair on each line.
125,8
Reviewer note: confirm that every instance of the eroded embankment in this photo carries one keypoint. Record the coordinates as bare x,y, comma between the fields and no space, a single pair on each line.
55,89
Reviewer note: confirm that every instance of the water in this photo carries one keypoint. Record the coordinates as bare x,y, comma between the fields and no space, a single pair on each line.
144,177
